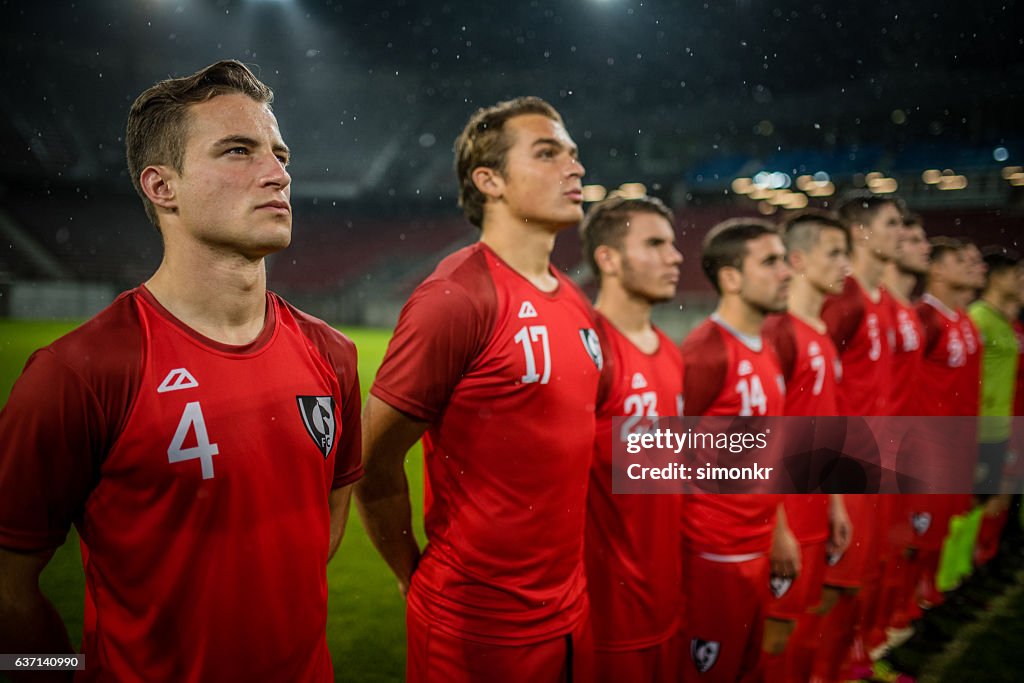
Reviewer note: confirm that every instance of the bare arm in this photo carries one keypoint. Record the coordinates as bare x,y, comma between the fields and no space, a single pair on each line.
340,499
840,528
785,555
29,624
382,495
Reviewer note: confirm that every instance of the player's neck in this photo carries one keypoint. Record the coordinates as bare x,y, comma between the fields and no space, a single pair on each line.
524,247
949,297
805,302
1006,305
899,282
740,316
222,298
868,269
630,315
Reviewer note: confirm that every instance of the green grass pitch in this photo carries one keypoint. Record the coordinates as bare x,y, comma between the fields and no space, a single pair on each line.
365,613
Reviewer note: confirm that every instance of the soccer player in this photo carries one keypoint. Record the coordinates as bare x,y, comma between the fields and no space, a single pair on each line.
200,433
817,249
496,360
859,323
947,386
735,544
632,541
994,314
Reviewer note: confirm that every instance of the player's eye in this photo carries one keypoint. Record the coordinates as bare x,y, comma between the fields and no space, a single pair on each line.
546,153
238,150
283,158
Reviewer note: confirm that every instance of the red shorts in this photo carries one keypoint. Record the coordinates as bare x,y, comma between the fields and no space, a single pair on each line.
724,621
850,570
791,601
656,663
437,655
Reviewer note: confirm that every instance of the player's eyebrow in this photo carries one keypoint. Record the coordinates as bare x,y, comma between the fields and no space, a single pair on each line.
249,142
573,149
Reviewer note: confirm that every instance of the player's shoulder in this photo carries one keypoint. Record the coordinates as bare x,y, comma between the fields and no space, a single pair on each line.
107,344
778,326
707,338
322,335
461,281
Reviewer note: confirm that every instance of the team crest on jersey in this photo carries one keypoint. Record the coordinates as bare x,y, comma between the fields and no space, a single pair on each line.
318,416
638,381
593,346
744,368
178,378
780,585
814,349
704,653
921,522
527,310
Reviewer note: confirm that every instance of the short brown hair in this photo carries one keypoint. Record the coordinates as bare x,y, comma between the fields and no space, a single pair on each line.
607,223
158,119
483,143
726,245
803,230
943,245
861,207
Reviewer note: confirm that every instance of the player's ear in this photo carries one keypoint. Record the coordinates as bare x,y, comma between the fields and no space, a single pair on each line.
730,279
488,181
608,260
795,258
157,184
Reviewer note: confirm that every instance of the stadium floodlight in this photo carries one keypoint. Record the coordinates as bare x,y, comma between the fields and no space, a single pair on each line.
796,200
1000,154
1017,180
822,189
594,193
1010,171
632,190
932,176
803,182
952,182
883,185
743,186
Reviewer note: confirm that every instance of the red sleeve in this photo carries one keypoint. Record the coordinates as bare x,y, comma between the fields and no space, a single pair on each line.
341,354
64,414
442,329
706,365
779,333
606,382
53,435
843,314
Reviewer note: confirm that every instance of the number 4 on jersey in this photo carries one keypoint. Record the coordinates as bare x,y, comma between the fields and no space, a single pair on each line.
192,420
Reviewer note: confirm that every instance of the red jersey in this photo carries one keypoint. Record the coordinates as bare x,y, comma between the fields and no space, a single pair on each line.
812,369
972,376
948,383
810,365
632,541
507,377
198,476
907,354
862,331
729,373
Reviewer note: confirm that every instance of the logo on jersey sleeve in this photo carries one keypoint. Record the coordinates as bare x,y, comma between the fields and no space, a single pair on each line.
527,310
318,416
704,653
921,522
780,585
593,346
178,378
